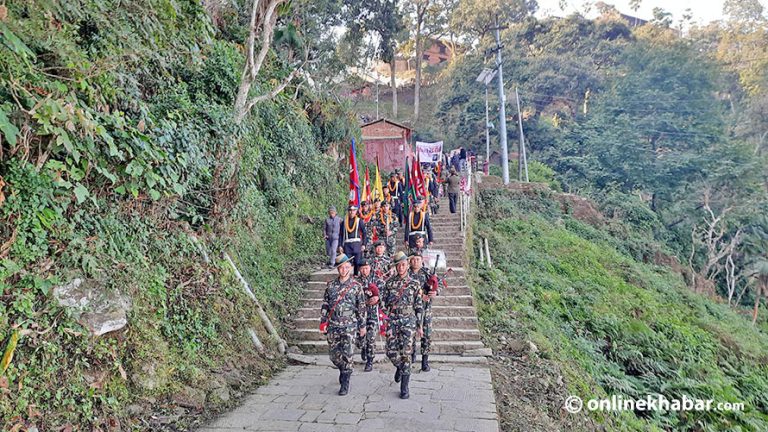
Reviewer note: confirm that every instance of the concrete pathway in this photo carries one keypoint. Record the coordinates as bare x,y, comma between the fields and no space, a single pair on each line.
451,397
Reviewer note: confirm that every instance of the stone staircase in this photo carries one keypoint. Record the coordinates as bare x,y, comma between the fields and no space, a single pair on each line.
454,318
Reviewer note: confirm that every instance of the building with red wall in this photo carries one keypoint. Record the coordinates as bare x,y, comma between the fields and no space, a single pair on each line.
389,141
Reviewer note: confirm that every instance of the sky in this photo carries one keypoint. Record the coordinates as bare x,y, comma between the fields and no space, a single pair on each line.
703,11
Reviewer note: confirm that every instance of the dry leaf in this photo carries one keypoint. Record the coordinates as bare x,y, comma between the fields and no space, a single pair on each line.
33,412
66,428
122,372
141,125
3,12
3,382
2,183
9,349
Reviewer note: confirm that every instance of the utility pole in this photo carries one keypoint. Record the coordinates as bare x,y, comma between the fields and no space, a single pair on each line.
522,159
485,77
487,130
502,110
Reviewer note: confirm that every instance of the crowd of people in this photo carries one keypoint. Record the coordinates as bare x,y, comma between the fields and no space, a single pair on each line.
379,289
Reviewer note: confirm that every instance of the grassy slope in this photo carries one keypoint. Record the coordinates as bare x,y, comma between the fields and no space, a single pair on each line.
604,324
186,336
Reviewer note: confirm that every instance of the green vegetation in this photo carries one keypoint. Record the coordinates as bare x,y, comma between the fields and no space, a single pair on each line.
117,147
642,115
610,324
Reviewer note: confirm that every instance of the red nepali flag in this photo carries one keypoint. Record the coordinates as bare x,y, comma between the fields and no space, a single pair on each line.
417,178
354,179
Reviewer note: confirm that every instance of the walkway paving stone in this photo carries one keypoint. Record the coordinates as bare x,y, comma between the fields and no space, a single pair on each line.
451,397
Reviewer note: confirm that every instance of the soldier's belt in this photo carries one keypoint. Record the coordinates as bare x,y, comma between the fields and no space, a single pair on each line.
417,232
353,240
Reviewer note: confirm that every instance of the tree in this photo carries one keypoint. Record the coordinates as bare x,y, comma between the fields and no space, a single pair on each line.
756,249
261,29
473,18
430,20
744,11
382,20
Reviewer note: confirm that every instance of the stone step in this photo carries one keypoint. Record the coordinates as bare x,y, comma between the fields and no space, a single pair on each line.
438,347
462,300
466,323
438,310
441,334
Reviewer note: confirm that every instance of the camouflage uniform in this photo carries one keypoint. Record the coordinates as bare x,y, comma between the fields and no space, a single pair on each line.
368,344
348,317
401,299
380,265
368,227
381,231
415,249
426,340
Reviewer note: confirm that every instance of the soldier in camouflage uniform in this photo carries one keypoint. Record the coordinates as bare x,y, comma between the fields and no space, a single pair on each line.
402,301
370,284
418,246
419,272
343,313
380,263
368,217
386,226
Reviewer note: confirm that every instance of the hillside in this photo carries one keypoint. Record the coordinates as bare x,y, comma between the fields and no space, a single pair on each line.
569,311
117,201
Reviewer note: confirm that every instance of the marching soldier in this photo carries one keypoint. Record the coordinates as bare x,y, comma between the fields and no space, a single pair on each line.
434,197
402,301
396,190
367,217
343,313
352,236
419,246
386,226
387,195
419,272
417,223
370,283
380,263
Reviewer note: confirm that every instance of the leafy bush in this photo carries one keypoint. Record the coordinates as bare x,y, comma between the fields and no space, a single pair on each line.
614,325
111,147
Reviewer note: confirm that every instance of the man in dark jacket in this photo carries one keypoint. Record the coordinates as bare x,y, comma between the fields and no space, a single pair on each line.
417,223
331,234
352,236
454,182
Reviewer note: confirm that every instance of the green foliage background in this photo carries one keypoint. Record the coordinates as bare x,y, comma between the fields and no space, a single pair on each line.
610,323
115,117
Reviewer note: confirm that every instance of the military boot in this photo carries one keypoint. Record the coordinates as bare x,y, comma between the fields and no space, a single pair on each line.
369,362
425,363
404,387
398,374
345,383
363,353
